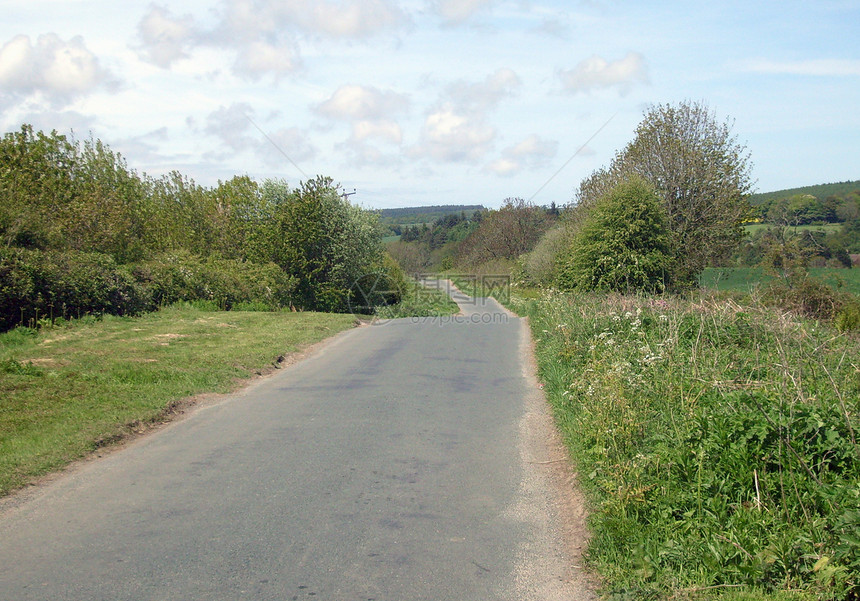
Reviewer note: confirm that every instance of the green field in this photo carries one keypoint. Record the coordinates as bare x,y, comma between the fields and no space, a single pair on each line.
744,279
753,228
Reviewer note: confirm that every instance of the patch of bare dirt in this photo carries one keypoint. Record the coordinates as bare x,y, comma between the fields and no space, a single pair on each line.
46,362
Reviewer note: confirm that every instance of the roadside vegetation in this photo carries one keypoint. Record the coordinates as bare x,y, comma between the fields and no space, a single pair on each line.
81,233
714,431
717,441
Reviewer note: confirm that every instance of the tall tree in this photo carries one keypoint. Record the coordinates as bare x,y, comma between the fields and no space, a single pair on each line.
701,173
326,243
507,233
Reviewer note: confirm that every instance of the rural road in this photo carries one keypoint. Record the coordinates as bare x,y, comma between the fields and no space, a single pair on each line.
408,460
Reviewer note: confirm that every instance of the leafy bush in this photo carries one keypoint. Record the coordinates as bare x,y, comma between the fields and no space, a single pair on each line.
42,283
540,265
806,296
624,244
37,284
383,286
848,317
181,276
326,244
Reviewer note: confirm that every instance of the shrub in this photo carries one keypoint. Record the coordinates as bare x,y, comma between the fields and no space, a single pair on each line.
383,286
806,296
182,276
326,243
624,244
41,283
848,317
539,266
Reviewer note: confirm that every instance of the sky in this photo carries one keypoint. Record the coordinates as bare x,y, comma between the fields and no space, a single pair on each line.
427,102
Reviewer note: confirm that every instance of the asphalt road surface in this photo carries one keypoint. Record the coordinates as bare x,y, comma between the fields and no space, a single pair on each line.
400,461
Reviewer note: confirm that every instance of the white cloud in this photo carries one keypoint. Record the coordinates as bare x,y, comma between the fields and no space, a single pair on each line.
482,96
290,141
533,147
259,58
337,19
457,11
530,152
233,127
145,147
61,70
354,102
819,67
369,110
350,19
597,73
450,136
505,167
456,128
264,34
164,37
555,27
383,129
229,124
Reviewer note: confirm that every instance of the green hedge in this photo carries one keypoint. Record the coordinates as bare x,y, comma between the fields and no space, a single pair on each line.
37,284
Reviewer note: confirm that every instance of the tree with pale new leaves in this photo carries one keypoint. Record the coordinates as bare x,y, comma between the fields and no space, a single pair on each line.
701,174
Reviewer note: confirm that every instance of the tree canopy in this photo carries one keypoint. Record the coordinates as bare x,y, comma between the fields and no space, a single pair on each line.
701,174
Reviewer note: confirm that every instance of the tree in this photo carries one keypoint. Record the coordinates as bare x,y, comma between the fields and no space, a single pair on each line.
507,233
624,245
36,184
326,243
701,174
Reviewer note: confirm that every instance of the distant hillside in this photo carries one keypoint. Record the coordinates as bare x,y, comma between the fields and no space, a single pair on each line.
821,191
428,214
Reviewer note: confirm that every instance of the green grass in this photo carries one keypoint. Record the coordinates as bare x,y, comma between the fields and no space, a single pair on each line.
66,391
744,279
717,444
420,301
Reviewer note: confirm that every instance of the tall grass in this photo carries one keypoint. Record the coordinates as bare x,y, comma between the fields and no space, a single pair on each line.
718,443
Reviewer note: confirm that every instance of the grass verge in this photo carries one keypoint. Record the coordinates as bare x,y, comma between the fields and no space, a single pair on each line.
68,390
420,301
717,443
